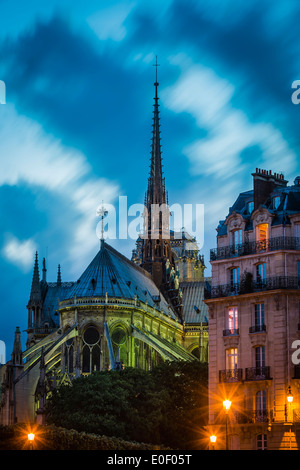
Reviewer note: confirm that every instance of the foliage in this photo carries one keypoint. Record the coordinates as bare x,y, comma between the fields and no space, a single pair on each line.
164,406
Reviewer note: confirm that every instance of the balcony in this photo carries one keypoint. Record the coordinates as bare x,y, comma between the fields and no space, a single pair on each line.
231,332
257,329
271,283
254,247
257,373
230,375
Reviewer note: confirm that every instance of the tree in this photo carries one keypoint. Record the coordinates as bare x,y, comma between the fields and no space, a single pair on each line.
163,406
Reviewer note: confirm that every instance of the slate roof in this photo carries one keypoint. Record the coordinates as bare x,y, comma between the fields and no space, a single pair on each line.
113,274
289,204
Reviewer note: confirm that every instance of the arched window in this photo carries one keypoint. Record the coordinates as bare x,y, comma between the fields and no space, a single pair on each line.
69,355
91,350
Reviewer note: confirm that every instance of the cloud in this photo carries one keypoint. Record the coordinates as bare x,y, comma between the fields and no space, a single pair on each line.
19,253
208,98
109,22
38,160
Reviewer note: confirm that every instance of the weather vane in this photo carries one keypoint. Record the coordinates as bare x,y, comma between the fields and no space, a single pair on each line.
102,213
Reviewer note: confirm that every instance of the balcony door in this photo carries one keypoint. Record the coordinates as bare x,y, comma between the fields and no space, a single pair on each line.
262,237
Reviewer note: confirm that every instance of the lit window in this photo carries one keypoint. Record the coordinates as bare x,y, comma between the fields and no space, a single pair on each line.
262,236
231,359
233,320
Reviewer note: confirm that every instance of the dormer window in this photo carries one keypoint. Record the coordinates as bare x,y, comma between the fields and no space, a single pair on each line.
276,202
250,207
262,237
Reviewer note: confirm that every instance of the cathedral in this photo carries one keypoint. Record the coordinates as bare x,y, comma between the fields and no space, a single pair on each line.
119,313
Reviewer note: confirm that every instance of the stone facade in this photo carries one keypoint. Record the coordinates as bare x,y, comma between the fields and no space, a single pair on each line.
254,305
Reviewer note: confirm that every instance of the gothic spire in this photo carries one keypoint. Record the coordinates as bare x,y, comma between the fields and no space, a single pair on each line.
35,294
156,186
59,276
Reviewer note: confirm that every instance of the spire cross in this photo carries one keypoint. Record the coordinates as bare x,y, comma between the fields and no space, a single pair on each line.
156,65
102,212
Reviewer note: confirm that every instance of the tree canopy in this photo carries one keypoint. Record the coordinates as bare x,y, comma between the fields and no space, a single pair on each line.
166,405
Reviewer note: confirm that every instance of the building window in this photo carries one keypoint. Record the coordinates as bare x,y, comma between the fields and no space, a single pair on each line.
260,357
262,237
261,406
231,359
235,279
232,320
298,273
276,202
91,350
259,320
236,241
261,274
261,442
250,207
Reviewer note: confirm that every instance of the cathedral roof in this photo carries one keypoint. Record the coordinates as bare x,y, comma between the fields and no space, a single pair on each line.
112,274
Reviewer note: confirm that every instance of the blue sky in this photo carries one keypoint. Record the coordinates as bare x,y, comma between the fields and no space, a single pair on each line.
76,126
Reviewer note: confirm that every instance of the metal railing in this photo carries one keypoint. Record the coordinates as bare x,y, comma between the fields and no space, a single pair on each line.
231,332
230,375
270,283
257,373
254,247
257,328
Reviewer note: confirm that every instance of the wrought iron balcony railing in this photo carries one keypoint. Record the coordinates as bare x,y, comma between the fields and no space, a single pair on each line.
254,247
270,283
230,375
257,329
257,373
231,332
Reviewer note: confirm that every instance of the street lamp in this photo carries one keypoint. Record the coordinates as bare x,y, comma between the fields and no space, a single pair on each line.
213,440
226,405
289,397
31,437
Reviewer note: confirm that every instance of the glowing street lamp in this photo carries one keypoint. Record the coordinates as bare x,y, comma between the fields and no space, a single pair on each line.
226,405
31,437
290,397
213,440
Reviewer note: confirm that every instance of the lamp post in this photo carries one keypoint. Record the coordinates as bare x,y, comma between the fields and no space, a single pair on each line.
213,439
226,405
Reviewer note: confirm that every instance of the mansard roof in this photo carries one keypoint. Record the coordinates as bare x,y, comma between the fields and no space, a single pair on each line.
289,204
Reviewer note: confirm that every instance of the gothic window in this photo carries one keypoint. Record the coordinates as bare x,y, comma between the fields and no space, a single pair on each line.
91,350
69,355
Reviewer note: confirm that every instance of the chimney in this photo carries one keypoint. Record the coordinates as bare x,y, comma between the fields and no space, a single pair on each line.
264,183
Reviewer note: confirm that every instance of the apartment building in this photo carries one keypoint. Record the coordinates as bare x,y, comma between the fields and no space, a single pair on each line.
254,325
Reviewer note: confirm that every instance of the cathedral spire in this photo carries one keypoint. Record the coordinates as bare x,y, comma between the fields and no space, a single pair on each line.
156,186
156,240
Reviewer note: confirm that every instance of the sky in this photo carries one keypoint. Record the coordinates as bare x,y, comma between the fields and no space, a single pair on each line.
76,121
